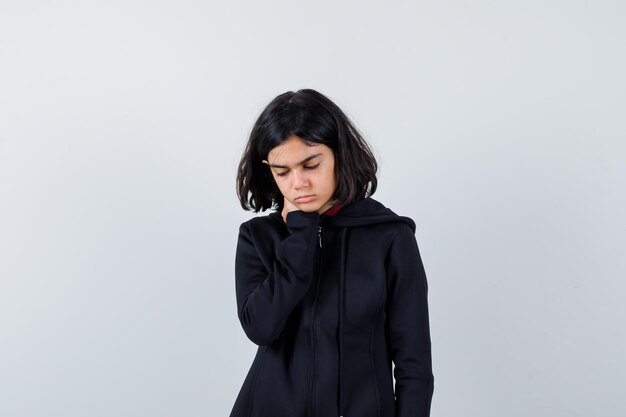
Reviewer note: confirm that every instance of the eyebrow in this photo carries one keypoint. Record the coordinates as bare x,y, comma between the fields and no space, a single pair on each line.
305,160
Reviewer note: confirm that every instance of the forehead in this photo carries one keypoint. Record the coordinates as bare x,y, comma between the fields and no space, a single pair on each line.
294,149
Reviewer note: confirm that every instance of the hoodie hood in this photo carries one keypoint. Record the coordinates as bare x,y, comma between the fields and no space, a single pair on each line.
359,213
363,212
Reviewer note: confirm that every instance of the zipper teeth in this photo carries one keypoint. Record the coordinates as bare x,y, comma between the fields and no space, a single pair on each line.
312,324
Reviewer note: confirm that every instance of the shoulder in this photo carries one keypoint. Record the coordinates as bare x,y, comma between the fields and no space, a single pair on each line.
269,219
262,225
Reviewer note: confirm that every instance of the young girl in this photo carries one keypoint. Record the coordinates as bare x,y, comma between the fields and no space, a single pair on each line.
331,285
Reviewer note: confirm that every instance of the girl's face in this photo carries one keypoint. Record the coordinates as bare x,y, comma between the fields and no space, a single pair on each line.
301,170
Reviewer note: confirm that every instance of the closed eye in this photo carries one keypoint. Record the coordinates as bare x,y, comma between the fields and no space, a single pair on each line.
280,174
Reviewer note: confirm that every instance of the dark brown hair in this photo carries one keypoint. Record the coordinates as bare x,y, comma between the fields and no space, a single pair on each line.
314,118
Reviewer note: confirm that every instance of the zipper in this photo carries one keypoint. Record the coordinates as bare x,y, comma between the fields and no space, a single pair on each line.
312,324
319,234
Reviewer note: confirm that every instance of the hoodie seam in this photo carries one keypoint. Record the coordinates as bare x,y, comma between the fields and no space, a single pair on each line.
253,388
342,279
372,364
388,252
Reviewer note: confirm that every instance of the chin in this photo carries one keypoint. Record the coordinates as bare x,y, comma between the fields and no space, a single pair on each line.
309,208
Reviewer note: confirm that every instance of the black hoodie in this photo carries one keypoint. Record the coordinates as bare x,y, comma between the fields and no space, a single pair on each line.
331,304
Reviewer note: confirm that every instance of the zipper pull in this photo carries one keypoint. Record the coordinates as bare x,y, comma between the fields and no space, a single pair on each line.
319,234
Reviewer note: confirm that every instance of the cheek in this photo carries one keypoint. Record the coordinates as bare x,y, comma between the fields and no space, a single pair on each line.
281,185
329,180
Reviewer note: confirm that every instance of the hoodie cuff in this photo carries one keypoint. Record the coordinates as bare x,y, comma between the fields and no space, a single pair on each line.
299,219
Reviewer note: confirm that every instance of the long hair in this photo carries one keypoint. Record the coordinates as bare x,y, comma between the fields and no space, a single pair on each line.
315,119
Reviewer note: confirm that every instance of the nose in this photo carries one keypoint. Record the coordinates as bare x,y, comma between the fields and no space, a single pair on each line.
300,180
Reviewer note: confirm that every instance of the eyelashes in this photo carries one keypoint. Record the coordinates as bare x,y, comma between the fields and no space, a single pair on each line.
280,174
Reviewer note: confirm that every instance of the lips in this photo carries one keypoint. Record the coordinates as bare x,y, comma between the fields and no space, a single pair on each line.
305,197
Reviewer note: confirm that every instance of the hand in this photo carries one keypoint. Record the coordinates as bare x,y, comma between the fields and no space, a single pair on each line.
287,207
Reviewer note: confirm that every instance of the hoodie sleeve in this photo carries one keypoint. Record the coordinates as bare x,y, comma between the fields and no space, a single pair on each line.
265,298
408,333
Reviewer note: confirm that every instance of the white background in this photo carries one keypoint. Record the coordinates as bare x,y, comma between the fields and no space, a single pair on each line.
499,127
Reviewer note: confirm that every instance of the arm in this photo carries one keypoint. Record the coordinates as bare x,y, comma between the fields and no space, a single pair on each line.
408,333
266,298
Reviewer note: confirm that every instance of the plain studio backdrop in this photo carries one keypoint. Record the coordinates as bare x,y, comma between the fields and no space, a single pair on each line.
499,127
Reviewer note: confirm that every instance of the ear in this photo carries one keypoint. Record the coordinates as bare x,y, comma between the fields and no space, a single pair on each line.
265,162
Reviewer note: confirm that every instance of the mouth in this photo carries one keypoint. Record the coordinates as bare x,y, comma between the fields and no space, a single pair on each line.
305,198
